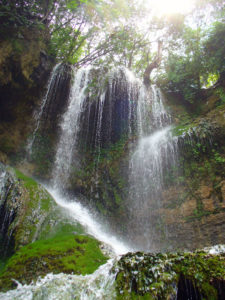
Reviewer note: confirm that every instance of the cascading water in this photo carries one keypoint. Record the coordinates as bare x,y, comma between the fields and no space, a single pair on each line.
96,101
128,108
141,112
155,155
38,114
67,154
69,129
81,214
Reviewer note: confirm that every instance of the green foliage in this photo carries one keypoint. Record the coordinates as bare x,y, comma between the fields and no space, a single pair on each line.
67,44
183,69
214,48
221,92
199,63
67,253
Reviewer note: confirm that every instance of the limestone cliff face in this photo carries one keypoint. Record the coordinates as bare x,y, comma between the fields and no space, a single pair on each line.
24,69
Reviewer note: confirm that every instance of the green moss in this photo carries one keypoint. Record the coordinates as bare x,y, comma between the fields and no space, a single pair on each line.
157,275
27,181
61,228
181,129
117,197
2,264
47,220
34,189
66,253
202,268
43,152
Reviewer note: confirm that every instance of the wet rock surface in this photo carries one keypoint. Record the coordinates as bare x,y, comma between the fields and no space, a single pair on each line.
182,275
27,211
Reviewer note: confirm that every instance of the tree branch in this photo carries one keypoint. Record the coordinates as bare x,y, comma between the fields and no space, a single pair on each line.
154,64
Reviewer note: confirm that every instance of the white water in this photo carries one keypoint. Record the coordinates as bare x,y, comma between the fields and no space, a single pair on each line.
155,154
67,157
70,126
146,165
82,215
147,161
97,286
38,114
69,129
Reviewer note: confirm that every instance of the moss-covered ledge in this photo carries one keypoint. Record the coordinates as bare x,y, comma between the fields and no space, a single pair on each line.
28,213
164,276
67,253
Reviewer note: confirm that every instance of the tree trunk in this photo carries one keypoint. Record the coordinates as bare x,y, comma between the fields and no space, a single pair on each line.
154,64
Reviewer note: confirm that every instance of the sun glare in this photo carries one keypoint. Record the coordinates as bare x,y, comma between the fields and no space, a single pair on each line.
165,7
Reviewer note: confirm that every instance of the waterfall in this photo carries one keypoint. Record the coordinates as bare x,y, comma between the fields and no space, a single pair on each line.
95,117
154,157
51,88
103,107
82,215
69,129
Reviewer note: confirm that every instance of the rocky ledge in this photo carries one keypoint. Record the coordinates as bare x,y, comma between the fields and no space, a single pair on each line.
182,275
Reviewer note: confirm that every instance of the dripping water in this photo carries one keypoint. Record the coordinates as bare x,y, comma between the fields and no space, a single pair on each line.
38,114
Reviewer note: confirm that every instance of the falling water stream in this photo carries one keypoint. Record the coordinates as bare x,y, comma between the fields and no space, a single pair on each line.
96,286
38,113
154,155
69,129
155,151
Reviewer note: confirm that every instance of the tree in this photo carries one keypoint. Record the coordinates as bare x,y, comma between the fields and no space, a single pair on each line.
196,57
214,49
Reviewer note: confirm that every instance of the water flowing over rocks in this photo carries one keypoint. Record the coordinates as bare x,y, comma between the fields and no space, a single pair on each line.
115,151
53,104
183,275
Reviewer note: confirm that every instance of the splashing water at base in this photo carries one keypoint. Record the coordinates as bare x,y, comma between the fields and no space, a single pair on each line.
97,286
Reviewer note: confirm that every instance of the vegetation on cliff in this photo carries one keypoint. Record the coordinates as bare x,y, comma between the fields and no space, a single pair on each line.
163,276
66,252
36,235
28,212
74,28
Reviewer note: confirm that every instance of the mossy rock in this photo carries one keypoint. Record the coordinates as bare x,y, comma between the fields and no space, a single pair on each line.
35,215
163,276
67,253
